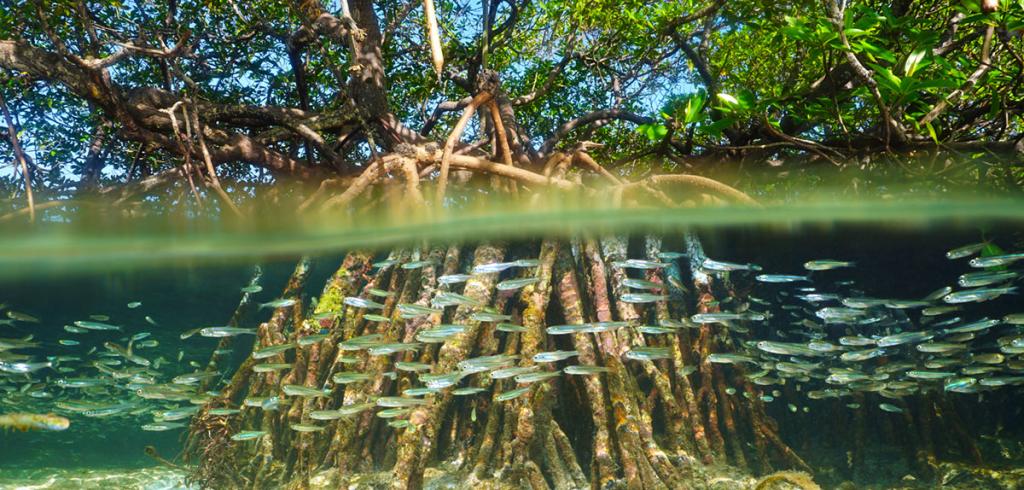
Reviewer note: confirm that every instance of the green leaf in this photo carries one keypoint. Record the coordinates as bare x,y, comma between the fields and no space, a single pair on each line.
931,132
728,99
886,78
653,132
913,61
718,126
694,104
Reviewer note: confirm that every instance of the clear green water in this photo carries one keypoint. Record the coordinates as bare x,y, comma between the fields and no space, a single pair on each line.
187,279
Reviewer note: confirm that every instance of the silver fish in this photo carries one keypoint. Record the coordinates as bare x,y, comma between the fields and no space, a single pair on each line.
826,264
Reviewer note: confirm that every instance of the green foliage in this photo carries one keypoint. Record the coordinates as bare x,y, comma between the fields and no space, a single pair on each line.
771,67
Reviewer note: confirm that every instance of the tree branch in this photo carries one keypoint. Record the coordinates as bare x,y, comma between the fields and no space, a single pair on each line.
601,115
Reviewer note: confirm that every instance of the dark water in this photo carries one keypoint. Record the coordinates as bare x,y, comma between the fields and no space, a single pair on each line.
178,298
894,260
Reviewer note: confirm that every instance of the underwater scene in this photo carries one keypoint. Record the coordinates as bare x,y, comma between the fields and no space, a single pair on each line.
867,354
511,244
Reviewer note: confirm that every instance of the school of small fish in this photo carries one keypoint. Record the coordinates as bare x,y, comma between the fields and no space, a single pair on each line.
822,337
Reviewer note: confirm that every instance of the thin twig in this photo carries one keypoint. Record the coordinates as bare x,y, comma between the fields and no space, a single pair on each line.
12,133
499,130
449,146
968,85
214,181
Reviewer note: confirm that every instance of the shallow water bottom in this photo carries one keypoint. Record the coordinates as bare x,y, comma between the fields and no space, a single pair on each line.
154,478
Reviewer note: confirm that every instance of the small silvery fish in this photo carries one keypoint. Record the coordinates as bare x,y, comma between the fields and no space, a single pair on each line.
861,355
917,374
965,251
642,284
399,401
162,426
512,394
361,342
151,321
787,349
134,304
448,298
223,411
248,435
394,413
959,384
986,278
826,264
312,339
535,377
470,390
279,303
412,366
671,255
638,264
384,263
303,391
91,325
387,349
975,326
487,316
554,356
648,353
905,338
568,329
1014,319
99,318
838,314
453,279
584,370
493,268
642,298
362,303
252,289
355,408
996,260
527,262
418,264
380,293
514,284
408,311
440,381
439,333
780,278
719,266
724,317
225,331
862,303
326,414
654,330
940,347
179,413
271,367
344,378
512,372
270,351
414,392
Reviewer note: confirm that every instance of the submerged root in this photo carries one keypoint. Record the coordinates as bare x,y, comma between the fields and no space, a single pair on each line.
784,480
638,424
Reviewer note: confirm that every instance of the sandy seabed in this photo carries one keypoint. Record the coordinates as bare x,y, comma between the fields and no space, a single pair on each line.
155,478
